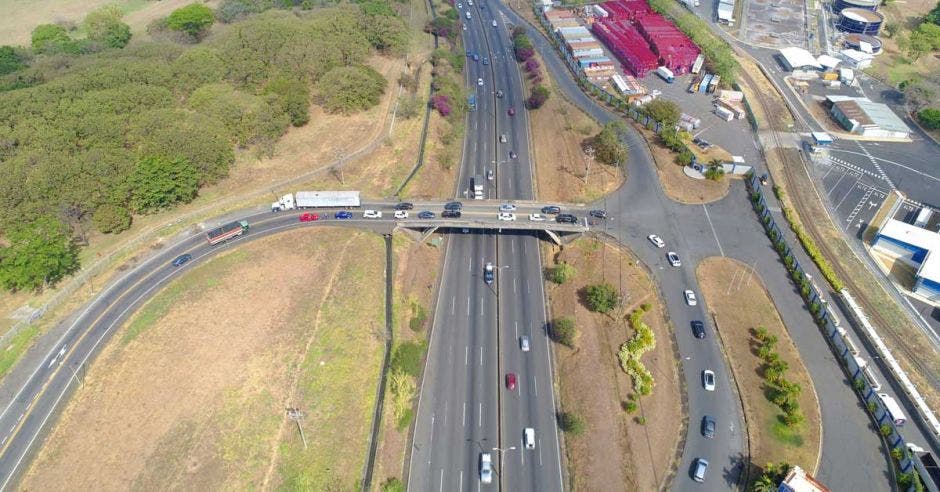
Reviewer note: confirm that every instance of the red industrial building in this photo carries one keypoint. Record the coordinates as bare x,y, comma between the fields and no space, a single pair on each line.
642,39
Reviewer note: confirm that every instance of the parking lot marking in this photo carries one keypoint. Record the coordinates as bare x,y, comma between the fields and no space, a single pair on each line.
713,231
858,207
846,194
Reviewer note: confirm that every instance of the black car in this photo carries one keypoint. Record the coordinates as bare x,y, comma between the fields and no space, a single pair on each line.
551,209
600,214
708,427
426,215
567,218
404,206
451,214
182,259
453,206
698,329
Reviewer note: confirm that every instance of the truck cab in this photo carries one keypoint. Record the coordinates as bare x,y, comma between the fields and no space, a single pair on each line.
286,202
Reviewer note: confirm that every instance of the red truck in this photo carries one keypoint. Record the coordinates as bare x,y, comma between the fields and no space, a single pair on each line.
227,231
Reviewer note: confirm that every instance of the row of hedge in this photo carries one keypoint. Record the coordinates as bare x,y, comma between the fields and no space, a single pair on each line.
809,244
630,352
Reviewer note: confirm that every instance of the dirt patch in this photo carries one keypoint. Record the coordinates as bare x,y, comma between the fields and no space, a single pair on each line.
739,303
230,369
676,185
563,171
416,273
591,383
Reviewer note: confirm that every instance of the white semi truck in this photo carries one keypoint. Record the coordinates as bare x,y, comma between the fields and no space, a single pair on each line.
317,199
477,187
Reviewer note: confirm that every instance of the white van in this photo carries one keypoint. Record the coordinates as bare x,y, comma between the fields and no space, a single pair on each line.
467,14
529,438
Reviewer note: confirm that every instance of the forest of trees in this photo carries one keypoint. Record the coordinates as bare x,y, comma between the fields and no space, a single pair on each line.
94,130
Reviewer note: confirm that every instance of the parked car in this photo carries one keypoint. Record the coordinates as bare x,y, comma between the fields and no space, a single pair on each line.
450,214
566,218
699,468
528,437
698,329
600,214
426,214
372,214
708,427
551,209
673,259
507,207
511,111
489,272
708,379
511,381
524,343
479,81
401,214
453,206
656,240
690,298
182,260
308,217
343,214
404,206
508,216
536,217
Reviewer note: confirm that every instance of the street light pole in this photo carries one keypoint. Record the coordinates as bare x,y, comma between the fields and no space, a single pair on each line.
502,455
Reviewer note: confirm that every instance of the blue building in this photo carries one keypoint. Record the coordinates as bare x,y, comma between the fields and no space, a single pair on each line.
918,247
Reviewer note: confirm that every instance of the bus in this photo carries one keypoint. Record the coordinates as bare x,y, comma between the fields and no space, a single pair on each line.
472,102
894,410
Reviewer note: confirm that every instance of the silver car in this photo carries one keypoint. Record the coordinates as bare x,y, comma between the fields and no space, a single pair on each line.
524,343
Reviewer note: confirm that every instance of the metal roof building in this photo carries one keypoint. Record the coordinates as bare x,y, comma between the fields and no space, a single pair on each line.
916,246
870,119
796,58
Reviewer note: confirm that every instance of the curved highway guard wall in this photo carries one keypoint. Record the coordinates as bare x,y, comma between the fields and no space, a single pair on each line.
829,325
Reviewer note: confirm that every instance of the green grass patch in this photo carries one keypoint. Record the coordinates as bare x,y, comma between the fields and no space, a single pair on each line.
419,316
785,435
408,358
19,343
405,420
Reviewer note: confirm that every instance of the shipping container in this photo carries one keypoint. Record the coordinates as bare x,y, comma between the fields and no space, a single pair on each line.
724,113
695,122
830,76
697,66
730,95
705,81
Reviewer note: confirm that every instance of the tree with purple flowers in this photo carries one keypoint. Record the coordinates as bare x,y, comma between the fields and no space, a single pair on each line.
538,97
441,103
532,65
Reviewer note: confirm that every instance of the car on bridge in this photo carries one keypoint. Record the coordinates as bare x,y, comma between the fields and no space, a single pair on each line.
308,217
343,214
453,206
450,214
708,380
426,214
551,209
401,214
536,217
656,240
507,207
372,214
182,260
690,298
566,218
404,206
507,216
494,23
600,214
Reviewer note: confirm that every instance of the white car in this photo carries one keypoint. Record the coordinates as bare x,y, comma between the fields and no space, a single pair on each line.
507,207
708,380
524,343
656,240
480,82
459,5
486,468
690,298
470,3
528,436
673,259
372,214
508,216
536,217
494,23
401,214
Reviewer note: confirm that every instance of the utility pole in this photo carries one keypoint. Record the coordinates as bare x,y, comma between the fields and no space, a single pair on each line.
588,160
297,416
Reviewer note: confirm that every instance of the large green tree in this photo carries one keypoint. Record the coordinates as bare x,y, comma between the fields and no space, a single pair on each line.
40,253
350,89
159,182
293,96
608,147
10,60
104,26
51,38
193,19
663,111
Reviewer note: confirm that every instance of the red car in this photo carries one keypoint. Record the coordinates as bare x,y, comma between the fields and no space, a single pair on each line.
512,111
309,217
510,381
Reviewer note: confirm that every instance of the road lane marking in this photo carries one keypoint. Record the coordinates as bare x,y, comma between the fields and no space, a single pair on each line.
481,356
512,246
713,230
470,264
466,355
535,384
460,487
527,290
481,306
480,424
850,190
468,307
431,437
445,413
516,324
540,452
442,480
522,451
464,424
453,306
514,285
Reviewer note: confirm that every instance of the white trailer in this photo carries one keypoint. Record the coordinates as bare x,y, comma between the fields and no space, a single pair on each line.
894,410
317,199
666,74
724,113
699,61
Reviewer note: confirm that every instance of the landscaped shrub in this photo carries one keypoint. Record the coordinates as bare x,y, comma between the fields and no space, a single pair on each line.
601,298
571,423
562,273
563,331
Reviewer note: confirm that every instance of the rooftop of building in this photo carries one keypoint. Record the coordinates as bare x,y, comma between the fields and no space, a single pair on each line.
797,480
920,238
798,57
873,113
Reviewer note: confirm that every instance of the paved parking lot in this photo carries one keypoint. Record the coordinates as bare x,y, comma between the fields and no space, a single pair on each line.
855,194
775,23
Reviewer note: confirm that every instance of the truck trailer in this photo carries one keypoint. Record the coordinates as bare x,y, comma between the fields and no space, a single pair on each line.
317,199
477,184
227,231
